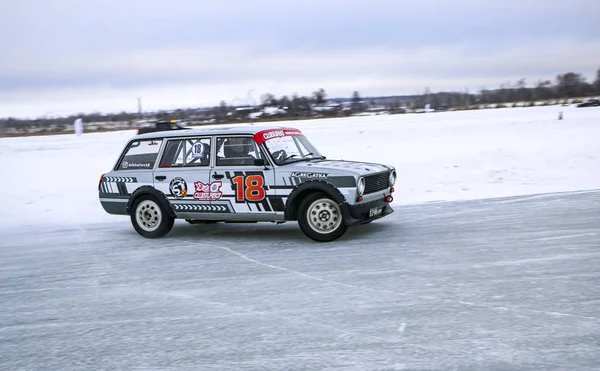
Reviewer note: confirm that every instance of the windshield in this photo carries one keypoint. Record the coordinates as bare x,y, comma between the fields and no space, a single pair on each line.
287,147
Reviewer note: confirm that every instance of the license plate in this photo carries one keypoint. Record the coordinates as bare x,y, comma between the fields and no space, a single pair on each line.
375,211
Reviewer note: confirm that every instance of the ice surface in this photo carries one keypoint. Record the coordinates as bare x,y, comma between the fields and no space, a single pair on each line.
476,285
440,156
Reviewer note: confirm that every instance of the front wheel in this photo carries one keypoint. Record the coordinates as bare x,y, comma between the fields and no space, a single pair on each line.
320,218
149,219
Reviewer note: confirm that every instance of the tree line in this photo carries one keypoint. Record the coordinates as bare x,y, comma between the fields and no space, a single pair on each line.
566,85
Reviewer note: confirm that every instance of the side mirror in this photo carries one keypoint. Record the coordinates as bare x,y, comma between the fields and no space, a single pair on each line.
260,162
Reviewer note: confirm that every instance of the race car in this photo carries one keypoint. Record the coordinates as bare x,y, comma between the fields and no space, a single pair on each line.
590,103
163,125
242,174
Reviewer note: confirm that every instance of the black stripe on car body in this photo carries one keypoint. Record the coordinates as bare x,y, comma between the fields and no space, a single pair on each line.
122,189
342,181
277,203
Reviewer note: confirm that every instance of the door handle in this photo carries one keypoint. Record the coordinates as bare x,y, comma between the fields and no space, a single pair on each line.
160,177
218,176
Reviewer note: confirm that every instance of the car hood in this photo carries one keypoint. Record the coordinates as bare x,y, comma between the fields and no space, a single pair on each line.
336,166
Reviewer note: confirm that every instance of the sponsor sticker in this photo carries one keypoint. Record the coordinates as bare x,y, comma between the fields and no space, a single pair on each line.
136,165
309,175
198,150
208,191
178,188
273,134
263,136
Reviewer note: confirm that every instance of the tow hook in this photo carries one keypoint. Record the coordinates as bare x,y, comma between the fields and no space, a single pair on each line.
388,198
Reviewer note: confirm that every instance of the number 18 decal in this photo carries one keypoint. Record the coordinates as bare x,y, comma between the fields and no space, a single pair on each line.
249,188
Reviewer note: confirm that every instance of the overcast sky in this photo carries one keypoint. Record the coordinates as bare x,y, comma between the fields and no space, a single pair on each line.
61,57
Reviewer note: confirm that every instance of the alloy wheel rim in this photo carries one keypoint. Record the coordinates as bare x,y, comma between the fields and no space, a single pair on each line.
148,215
324,216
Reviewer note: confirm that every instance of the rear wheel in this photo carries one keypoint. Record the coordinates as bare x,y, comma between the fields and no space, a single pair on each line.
320,218
150,219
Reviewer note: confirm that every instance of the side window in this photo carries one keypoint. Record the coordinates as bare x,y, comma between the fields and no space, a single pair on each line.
140,155
188,152
237,151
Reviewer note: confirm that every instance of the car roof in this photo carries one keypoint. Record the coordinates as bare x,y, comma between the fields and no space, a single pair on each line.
213,130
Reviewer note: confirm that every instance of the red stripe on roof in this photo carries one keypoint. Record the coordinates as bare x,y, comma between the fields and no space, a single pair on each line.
263,136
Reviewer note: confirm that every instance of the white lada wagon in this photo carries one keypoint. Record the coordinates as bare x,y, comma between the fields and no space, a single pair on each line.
242,174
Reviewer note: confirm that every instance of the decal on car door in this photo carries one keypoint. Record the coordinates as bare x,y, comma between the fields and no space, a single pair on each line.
200,191
250,192
208,191
178,188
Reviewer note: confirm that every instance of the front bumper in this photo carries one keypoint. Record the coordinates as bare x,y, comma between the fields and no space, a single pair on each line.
362,213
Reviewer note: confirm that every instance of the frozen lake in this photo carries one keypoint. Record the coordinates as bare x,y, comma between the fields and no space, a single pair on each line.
505,284
502,275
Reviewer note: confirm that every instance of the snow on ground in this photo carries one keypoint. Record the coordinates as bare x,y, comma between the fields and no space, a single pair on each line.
439,156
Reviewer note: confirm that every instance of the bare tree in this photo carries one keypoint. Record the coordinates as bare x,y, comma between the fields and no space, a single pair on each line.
268,100
522,91
543,90
222,110
319,96
570,84
285,102
356,106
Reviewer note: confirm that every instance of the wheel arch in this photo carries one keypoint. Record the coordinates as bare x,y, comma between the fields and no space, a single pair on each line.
307,188
160,197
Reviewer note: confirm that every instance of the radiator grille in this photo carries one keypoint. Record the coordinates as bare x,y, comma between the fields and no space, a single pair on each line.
377,182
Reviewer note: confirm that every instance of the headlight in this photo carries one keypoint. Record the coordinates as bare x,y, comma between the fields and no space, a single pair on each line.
360,188
392,178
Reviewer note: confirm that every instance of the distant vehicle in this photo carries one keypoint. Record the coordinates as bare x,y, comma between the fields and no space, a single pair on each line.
242,174
162,126
590,103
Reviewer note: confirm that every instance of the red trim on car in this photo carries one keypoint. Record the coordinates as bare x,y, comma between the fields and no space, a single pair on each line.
264,135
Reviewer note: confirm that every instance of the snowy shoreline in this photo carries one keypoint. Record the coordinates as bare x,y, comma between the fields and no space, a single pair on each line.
446,156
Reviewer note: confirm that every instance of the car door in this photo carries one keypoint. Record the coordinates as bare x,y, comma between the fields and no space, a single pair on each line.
183,175
247,187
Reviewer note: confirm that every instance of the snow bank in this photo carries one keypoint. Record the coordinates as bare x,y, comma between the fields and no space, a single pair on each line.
439,156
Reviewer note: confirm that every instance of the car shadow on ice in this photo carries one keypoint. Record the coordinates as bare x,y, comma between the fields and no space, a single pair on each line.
270,233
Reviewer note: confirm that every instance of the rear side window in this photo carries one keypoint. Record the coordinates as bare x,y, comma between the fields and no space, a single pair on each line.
140,155
189,152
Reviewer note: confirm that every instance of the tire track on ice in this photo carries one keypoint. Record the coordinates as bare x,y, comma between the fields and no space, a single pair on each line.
365,288
234,309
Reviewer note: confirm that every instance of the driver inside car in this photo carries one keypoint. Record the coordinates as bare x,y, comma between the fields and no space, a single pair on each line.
239,150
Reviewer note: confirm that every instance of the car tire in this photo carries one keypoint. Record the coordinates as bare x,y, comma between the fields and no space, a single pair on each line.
149,218
320,218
